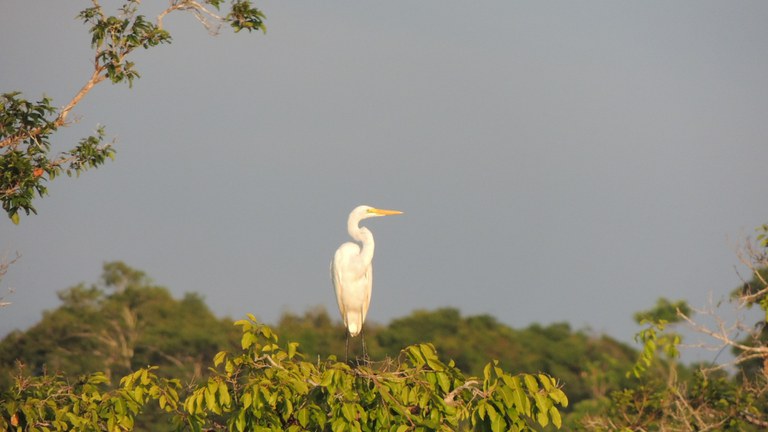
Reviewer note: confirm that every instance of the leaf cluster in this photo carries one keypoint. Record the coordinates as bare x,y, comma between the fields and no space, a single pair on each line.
114,37
654,339
55,403
26,165
243,16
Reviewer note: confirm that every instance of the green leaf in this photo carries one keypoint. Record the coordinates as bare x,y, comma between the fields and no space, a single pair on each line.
245,324
497,423
444,382
292,347
491,413
303,417
416,356
224,397
240,421
487,372
546,381
482,409
348,412
429,354
508,395
519,397
210,402
559,396
555,415
219,358
542,419
338,425
531,383
247,340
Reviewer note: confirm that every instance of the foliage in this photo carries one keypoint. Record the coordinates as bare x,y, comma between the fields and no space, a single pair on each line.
320,336
588,366
707,401
54,403
655,337
664,311
26,127
762,237
266,387
711,399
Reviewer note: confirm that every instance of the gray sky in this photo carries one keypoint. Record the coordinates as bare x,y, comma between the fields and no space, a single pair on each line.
556,161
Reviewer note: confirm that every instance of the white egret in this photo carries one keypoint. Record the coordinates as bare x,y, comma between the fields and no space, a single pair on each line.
352,271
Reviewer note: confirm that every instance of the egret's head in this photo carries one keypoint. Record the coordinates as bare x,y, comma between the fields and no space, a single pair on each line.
364,212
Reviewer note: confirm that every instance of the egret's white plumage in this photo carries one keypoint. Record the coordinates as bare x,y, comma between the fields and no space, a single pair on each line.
352,272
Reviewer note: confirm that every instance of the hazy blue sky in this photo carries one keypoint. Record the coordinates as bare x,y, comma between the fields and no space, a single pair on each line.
556,161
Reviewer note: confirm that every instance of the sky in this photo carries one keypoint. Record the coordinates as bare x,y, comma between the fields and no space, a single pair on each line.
555,161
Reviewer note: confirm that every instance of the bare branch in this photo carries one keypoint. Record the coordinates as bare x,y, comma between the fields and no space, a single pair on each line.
723,335
4,264
206,17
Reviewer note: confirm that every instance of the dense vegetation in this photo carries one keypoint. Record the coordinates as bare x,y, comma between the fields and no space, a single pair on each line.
103,335
106,332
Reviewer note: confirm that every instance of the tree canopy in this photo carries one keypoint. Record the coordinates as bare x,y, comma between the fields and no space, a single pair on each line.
118,325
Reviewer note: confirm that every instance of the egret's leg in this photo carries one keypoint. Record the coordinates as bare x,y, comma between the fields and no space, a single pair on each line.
346,347
362,339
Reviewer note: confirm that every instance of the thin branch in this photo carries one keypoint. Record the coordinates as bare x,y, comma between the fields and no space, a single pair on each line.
61,119
96,78
4,264
754,420
203,15
722,336
450,398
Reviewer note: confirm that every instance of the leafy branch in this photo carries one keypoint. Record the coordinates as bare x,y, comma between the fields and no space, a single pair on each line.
26,127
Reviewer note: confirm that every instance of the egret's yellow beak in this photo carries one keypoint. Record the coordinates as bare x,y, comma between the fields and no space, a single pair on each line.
382,212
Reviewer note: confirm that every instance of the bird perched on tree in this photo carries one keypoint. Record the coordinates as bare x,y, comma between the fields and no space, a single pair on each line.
352,271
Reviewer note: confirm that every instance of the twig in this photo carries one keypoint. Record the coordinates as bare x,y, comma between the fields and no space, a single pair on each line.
450,398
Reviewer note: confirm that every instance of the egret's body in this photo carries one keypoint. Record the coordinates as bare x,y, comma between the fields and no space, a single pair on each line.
352,270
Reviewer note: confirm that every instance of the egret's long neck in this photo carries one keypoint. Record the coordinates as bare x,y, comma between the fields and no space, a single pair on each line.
363,235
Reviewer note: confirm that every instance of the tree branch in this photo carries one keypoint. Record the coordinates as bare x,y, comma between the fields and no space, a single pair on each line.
450,398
